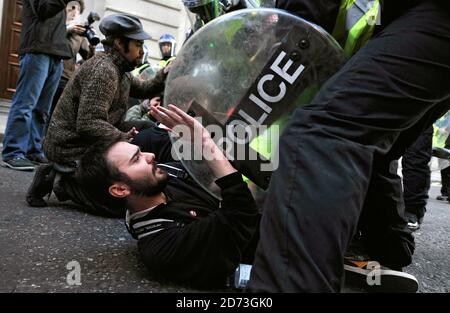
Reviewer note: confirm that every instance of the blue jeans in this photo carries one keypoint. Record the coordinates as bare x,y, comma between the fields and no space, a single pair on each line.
38,79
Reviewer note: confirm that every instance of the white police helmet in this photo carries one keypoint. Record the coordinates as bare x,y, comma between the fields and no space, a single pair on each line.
163,41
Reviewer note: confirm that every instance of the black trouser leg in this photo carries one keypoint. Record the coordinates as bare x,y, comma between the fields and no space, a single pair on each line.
416,173
327,152
386,236
383,229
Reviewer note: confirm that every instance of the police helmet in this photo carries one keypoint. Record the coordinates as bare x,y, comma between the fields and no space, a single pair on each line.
164,41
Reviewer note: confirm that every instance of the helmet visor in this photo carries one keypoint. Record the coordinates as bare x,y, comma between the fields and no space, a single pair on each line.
167,49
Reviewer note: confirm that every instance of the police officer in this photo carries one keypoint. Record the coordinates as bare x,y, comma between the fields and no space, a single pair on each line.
341,145
167,46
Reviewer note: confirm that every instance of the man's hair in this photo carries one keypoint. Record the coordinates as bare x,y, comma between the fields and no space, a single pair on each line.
108,42
96,174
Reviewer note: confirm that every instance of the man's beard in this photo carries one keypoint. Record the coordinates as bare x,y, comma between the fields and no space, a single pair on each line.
145,188
138,62
133,64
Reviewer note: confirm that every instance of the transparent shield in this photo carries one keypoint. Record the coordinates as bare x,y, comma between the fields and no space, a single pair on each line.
244,74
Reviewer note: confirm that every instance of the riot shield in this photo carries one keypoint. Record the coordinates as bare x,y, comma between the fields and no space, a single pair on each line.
148,73
243,74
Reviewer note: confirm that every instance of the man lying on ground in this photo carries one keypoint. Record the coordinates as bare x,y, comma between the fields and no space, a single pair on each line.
184,234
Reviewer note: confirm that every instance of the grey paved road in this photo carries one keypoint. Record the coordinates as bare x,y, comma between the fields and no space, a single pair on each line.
36,244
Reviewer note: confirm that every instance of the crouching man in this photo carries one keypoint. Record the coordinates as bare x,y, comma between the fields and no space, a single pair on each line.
91,109
184,234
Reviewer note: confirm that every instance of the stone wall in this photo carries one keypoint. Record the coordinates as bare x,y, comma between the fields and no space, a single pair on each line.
158,17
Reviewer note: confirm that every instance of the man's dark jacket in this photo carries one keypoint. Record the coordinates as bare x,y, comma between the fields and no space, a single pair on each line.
44,28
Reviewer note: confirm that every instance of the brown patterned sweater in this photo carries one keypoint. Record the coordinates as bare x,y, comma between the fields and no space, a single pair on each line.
93,105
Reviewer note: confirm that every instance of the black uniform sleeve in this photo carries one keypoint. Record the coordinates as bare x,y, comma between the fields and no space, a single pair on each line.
204,252
321,12
147,89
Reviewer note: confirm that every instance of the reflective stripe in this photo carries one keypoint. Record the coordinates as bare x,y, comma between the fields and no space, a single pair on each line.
355,23
138,70
362,31
355,13
149,233
163,63
144,223
129,217
141,229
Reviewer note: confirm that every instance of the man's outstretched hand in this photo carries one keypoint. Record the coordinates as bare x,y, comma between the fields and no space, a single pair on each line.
173,116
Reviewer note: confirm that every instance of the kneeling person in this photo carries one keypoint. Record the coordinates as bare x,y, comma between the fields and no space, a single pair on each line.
92,108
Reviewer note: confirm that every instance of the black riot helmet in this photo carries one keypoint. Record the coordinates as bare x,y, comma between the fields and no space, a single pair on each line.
207,10
204,10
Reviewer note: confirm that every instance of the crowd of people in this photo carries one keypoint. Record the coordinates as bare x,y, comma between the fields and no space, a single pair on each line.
326,216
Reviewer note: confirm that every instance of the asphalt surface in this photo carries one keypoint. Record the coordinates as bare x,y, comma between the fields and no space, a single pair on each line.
431,262
37,244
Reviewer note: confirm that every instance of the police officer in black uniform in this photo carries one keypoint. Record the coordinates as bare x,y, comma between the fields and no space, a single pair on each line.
336,152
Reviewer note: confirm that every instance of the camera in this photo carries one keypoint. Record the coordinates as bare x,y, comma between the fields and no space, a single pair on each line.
89,32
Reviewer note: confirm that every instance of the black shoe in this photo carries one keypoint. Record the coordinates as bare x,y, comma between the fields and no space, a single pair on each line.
60,193
37,159
442,198
41,186
414,221
373,277
20,164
